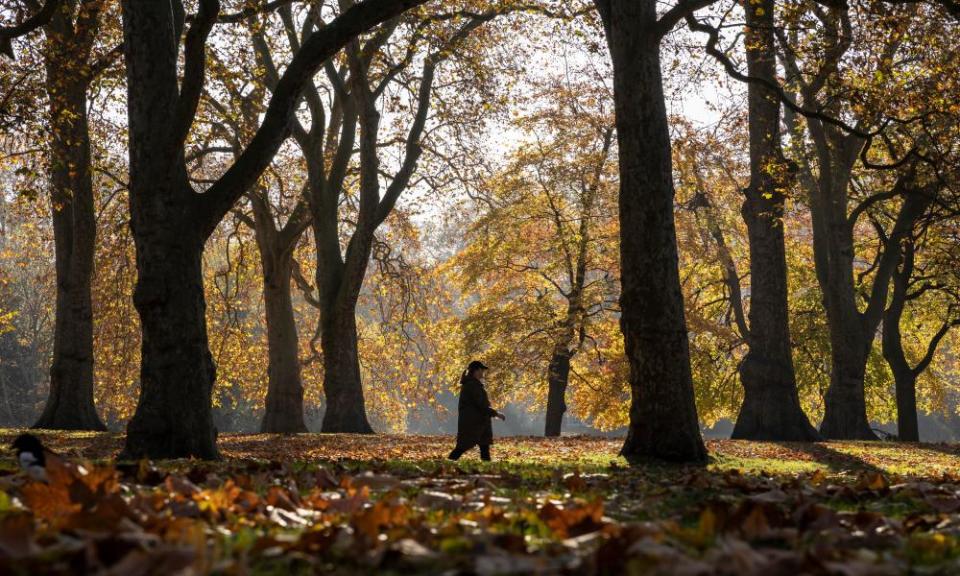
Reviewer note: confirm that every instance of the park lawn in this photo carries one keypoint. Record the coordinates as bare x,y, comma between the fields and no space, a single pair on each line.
353,504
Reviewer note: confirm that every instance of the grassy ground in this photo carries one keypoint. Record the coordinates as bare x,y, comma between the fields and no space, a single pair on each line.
354,504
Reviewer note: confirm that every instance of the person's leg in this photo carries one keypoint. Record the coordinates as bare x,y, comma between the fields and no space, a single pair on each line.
458,451
485,452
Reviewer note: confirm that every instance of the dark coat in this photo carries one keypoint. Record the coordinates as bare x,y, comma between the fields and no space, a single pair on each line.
473,420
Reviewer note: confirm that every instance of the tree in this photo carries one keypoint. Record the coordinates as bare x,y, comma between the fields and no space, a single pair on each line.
275,244
908,287
924,304
329,145
771,407
835,151
276,241
663,414
27,293
70,35
170,221
541,256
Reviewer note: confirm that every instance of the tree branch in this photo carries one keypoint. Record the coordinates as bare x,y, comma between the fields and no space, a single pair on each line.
318,48
680,10
195,58
413,148
934,344
42,16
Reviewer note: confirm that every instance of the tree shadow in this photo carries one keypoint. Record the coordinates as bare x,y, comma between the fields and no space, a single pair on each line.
835,460
660,465
946,448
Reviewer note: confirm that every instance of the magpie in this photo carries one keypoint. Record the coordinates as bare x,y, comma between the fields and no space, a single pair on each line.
32,456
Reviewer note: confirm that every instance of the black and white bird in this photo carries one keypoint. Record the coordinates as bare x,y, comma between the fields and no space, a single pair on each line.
32,456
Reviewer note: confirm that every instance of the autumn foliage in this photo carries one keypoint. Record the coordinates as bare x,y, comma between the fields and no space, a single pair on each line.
355,504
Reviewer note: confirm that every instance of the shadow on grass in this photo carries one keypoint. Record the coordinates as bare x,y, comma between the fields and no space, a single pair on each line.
656,464
946,456
835,460
947,448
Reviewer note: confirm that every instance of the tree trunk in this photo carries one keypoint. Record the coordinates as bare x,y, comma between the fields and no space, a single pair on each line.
339,288
173,417
904,375
851,331
663,413
70,404
342,386
908,429
284,403
845,414
771,406
339,281
845,407
557,379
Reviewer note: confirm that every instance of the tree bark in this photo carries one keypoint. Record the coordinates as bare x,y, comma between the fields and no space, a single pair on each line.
557,379
283,411
284,403
339,279
70,404
845,405
771,406
342,385
173,417
904,376
663,413
908,429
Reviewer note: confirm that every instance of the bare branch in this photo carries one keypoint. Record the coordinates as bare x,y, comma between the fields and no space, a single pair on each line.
8,33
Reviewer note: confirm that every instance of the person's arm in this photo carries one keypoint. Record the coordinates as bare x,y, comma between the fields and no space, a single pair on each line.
490,411
477,397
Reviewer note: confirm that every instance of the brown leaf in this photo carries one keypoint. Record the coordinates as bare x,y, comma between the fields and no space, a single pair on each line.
573,520
574,482
382,514
872,480
16,535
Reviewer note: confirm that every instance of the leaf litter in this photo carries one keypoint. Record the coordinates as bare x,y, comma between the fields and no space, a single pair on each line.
322,504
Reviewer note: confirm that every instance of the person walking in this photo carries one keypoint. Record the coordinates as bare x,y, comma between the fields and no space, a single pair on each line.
474,414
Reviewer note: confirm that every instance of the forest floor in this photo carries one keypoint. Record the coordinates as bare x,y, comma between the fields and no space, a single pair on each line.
346,504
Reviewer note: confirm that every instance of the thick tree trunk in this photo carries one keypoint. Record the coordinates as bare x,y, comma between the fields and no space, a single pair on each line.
557,378
904,375
339,281
284,403
342,385
845,407
908,429
851,331
663,413
771,407
70,404
173,417
845,414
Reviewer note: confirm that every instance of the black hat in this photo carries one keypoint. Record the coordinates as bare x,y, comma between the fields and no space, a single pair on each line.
477,365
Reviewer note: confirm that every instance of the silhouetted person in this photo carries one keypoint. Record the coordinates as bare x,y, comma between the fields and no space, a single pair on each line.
475,412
